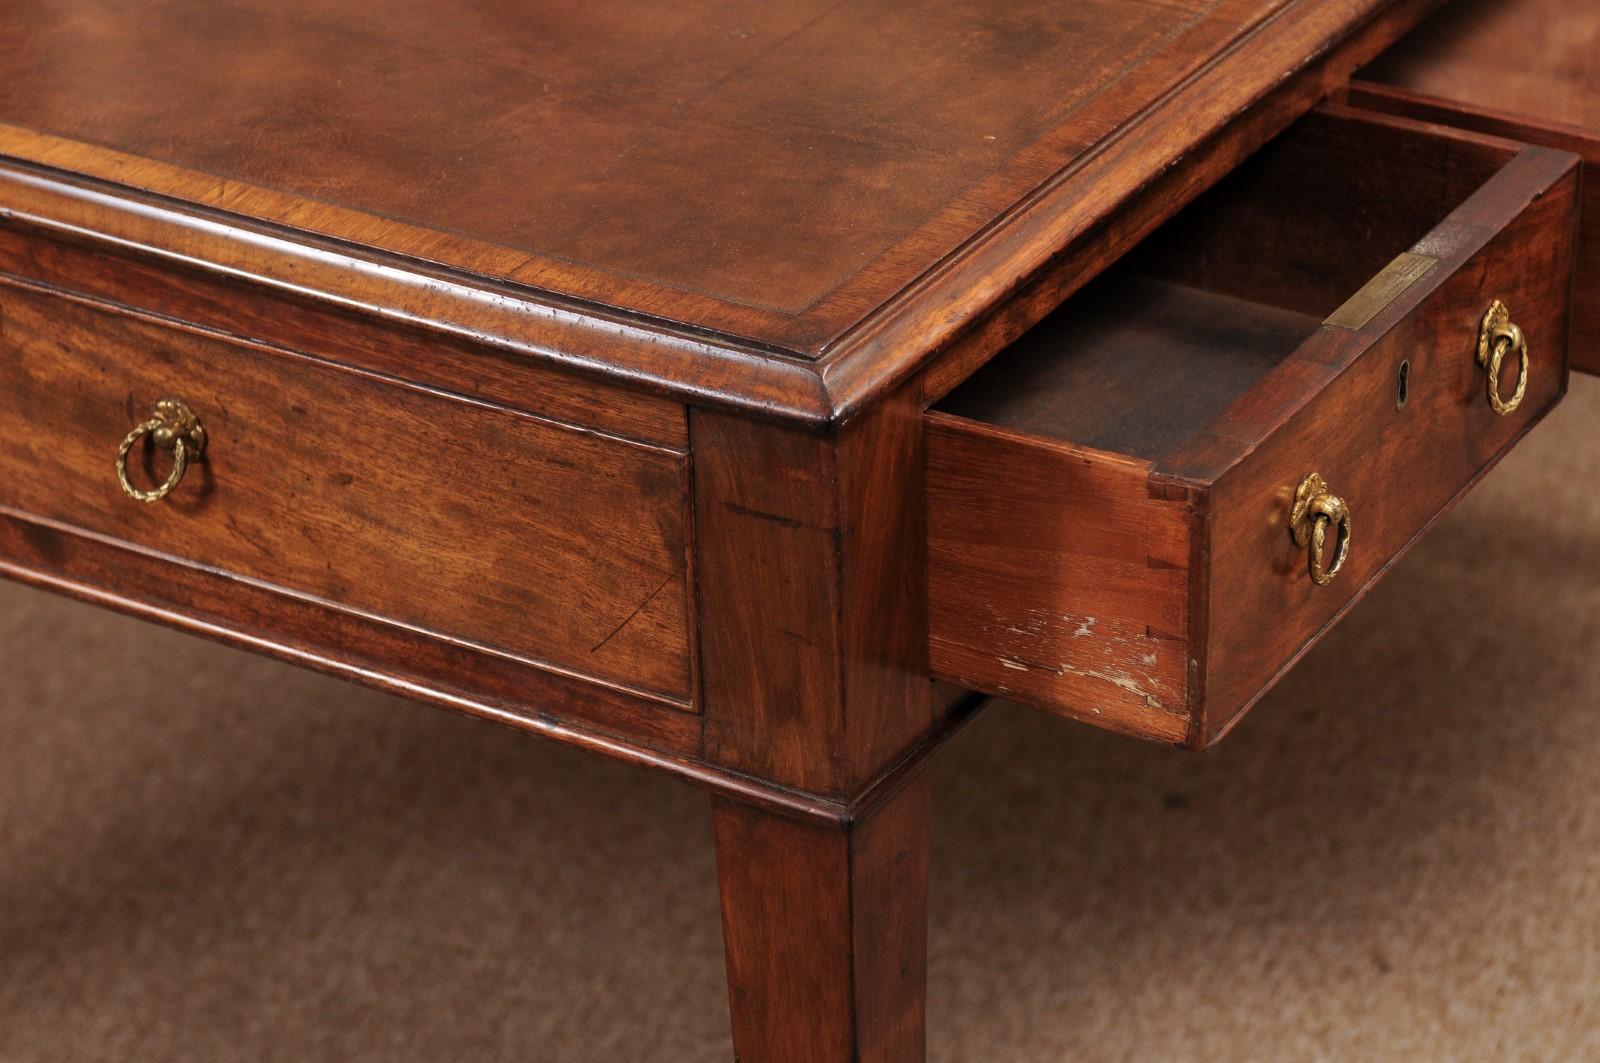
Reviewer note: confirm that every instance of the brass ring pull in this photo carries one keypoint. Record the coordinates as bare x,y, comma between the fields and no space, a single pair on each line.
1314,512
174,428
1498,336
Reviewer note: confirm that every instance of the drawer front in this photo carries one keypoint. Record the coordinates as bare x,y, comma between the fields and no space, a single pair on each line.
1109,502
485,527
1397,465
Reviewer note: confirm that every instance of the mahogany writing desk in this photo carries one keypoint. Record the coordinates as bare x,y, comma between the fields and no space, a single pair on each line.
698,384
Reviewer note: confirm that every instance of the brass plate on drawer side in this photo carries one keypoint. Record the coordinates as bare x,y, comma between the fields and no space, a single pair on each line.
1381,290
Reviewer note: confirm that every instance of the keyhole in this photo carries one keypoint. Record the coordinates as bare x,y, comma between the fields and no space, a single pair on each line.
1403,391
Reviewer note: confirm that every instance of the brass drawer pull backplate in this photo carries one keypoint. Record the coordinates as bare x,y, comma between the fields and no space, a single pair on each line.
173,427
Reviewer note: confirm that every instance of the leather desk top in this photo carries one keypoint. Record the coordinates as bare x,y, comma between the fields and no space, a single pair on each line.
785,205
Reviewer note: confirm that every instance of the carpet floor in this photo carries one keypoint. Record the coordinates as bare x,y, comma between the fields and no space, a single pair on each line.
207,856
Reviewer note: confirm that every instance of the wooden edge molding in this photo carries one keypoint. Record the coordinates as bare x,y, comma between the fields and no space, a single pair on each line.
747,789
653,356
1420,106
1181,144
1013,274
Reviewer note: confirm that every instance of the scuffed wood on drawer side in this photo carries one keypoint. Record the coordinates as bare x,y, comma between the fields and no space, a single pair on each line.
1057,576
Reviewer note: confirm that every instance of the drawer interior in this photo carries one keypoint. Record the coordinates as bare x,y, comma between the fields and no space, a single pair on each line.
1143,359
1528,70
1109,501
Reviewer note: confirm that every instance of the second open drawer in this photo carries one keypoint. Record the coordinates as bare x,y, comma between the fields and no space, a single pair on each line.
1111,501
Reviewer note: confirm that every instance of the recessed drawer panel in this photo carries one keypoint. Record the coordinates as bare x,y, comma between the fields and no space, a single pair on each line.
485,527
1151,505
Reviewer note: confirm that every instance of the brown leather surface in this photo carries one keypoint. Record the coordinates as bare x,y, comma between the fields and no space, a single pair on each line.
759,156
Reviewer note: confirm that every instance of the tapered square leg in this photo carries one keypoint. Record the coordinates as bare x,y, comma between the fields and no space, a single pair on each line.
826,932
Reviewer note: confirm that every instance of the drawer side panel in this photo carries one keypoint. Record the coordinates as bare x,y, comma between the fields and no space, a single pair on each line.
1057,576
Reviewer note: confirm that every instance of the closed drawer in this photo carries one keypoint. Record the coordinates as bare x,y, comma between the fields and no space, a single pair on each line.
1524,69
475,525
1109,500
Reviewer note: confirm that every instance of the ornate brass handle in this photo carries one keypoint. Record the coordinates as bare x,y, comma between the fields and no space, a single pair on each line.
1315,511
1499,336
174,428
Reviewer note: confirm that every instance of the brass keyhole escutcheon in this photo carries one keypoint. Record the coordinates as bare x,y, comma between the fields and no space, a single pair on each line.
1316,512
174,428
1499,336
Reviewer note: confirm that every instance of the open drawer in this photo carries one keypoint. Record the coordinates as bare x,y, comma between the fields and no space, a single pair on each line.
1109,500
1524,69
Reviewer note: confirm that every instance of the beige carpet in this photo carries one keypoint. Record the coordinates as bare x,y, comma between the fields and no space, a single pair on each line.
207,856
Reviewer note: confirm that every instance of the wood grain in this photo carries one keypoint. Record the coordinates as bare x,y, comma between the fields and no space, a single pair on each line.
466,520
1155,589
766,536
565,365
1543,57
148,584
414,351
826,933
1545,89
1054,576
975,304
1335,412
1161,361
269,263
811,602
1585,344
581,713
503,130
888,704
891,192
1321,211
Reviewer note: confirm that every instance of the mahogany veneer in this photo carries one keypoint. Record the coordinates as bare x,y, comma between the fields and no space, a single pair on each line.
1107,500
491,543
783,207
569,365
1524,69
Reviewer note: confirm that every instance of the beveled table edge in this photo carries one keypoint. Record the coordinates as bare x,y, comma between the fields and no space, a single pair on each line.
974,301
